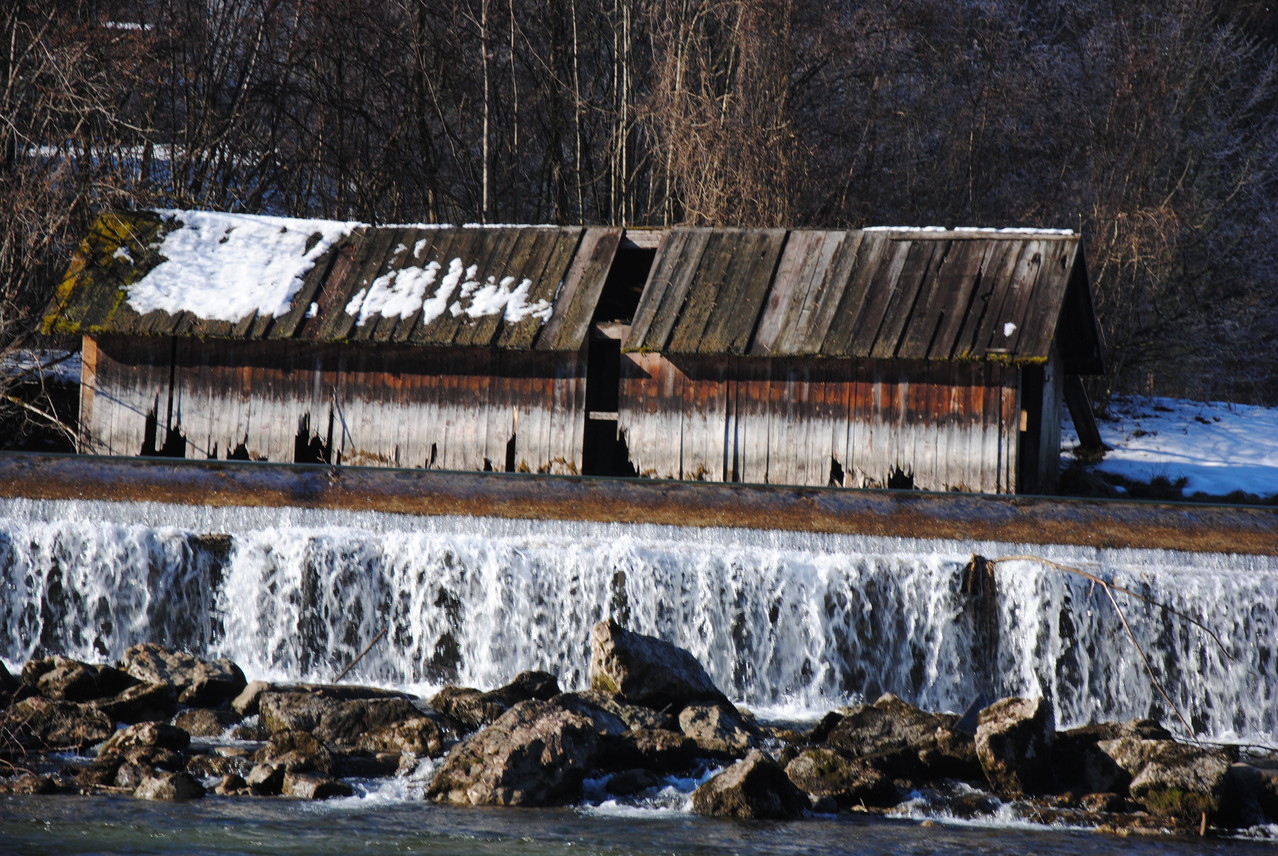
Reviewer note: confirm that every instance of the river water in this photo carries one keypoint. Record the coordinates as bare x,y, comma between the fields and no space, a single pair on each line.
790,625
100,825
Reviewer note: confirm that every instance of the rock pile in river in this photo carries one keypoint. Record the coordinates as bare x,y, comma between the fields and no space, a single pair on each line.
165,725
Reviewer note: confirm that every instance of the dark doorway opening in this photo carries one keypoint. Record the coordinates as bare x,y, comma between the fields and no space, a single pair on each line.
1029,470
604,451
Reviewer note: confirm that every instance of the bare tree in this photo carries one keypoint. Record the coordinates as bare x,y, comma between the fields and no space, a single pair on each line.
64,152
1147,125
1176,189
718,115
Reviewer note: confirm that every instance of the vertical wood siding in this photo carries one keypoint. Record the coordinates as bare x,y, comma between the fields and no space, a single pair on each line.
386,405
948,426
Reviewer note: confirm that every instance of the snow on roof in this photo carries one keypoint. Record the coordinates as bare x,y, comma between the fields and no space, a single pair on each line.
227,267
977,230
402,292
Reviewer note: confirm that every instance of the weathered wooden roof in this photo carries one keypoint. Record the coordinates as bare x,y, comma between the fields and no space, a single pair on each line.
875,293
448,286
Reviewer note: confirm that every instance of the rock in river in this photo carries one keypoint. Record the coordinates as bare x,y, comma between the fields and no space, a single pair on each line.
755,787
645,670
536,753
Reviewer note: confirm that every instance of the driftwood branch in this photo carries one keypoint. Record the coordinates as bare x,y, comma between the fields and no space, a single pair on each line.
352,663
1149,669
47,417
1110,588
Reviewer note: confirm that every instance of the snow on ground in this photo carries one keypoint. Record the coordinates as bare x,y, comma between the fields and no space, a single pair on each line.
29,364
1216,447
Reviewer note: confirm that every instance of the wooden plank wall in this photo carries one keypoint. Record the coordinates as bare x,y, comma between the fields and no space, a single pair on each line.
948,426
122,389
651,415
387,405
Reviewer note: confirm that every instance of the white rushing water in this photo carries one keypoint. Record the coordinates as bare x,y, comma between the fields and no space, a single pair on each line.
782,621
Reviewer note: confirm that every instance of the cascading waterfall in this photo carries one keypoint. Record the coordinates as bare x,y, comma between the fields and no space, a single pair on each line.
780,620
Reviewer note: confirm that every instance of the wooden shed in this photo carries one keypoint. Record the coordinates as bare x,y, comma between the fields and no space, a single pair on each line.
216,335
932,359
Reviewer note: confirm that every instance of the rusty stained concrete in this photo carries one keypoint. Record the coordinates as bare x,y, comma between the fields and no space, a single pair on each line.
954,516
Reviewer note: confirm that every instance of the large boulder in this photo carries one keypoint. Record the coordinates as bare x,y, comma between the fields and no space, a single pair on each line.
1079,763
231,785
891,724
169,786
602,716
63,679
472,708
1266,794
645,670
140,703
246,703
214,683
635,717
265,780
1171,779
148,735
206,722
656,750
311,787
475,708
136,763
296,752
535,754
1250,796
97,773
719,730
755,787
152,663
425,735
358,764
337,721
902,741
37,724
204,683
824,772
1014,743
951,756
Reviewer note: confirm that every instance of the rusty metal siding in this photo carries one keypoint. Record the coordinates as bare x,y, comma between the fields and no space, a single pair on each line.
387,406
948,426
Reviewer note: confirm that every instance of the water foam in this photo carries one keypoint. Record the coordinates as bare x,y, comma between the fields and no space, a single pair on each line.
780,620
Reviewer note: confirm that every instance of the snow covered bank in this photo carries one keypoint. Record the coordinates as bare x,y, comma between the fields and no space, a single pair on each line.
1212,449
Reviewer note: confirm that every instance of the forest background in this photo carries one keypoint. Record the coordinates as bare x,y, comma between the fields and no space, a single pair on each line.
1150,126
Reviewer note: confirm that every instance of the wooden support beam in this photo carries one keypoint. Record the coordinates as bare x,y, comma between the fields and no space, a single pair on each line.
1080,410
